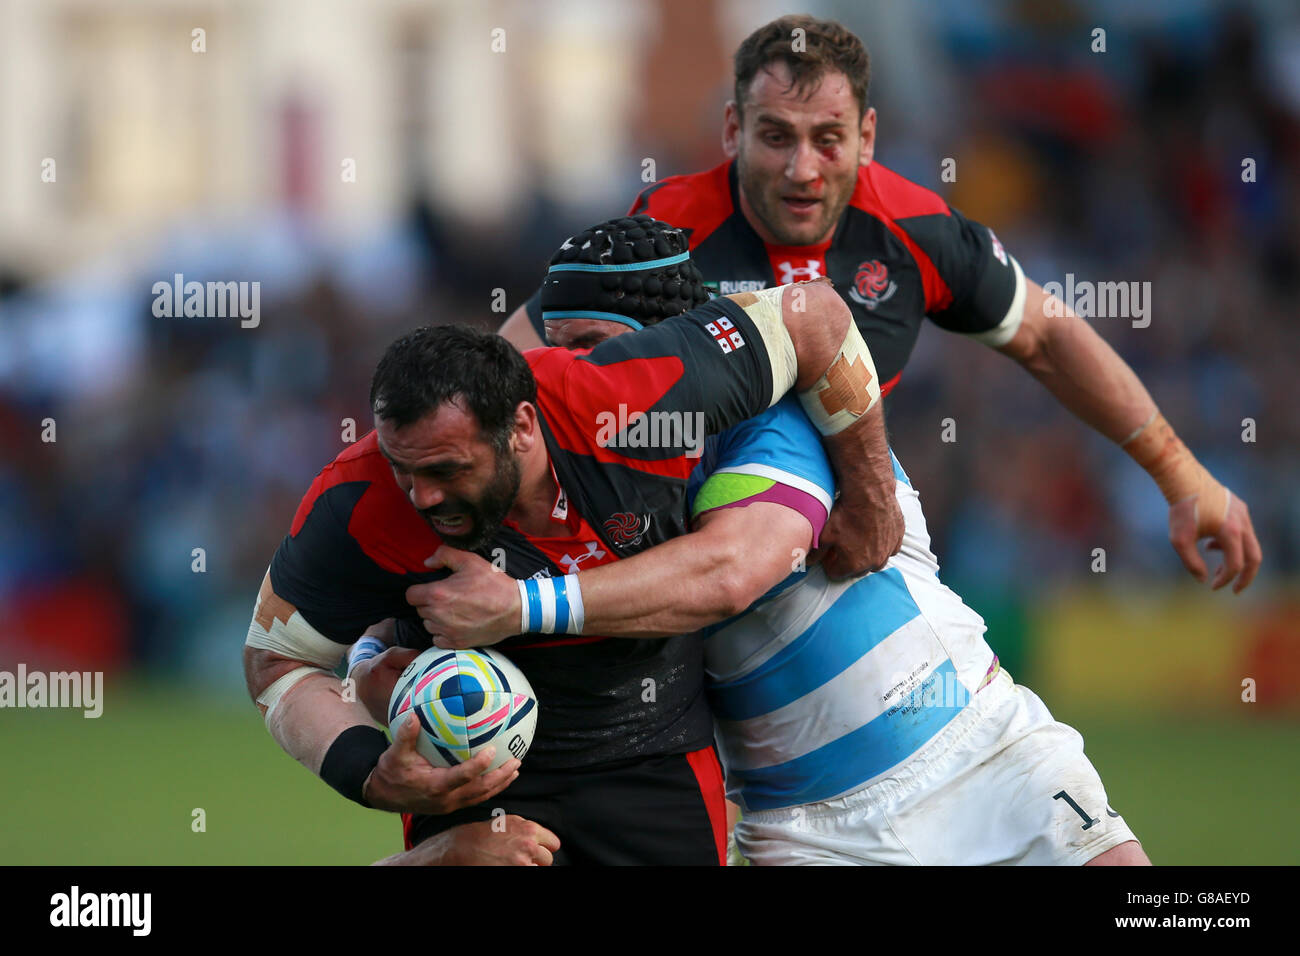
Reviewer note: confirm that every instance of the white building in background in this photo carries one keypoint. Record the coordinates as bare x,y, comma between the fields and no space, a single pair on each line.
118,120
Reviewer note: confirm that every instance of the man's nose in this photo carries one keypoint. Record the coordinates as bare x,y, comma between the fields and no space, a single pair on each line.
802,167
425,494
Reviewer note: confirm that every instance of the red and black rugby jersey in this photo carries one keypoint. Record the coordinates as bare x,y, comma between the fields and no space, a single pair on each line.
357,542
898,253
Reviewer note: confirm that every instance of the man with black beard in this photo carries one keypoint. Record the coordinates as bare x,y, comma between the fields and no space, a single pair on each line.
503,453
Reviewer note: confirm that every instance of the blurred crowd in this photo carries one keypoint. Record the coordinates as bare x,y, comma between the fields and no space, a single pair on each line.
180,447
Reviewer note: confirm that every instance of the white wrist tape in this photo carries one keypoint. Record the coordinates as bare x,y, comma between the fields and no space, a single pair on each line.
272,696
847,391
551,606
364,649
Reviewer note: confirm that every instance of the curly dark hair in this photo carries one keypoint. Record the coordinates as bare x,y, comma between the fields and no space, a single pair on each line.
452,363
646,295
826,46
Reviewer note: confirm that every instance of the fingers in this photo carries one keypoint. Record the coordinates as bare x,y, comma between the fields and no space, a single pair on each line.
463,773
448,557
540,844
835,564
1182,535
407,735
839,565
545,837
1235,538
467,783
418,595
490,784
484,788
1233,559
1254,556
396,658
541,855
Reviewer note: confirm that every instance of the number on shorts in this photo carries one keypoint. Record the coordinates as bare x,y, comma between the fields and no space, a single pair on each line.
1087,820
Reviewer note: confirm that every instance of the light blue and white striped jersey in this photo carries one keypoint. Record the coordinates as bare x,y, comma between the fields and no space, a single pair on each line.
822,687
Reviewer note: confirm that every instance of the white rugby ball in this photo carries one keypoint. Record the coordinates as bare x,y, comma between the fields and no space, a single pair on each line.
464,701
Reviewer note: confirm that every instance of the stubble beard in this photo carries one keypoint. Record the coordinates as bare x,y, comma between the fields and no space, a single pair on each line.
766,207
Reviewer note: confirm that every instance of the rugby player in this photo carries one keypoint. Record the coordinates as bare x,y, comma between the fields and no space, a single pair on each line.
860,722
483,448
800,196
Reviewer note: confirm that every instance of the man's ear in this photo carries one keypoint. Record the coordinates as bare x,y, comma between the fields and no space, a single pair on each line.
868,148
526,432
731,130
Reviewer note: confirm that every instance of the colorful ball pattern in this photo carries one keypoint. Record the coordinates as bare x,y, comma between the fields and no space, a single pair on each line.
465,700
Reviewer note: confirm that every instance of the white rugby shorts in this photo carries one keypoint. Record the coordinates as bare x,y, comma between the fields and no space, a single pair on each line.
1002,783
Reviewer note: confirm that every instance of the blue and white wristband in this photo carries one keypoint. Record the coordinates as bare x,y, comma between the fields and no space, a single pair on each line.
363,650
551,605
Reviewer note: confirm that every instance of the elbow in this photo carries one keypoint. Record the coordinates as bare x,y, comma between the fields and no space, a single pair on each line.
262,669
734,585
1042,317
254,665
830,314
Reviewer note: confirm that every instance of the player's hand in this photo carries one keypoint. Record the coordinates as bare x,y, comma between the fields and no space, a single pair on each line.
375,678
404,781
473,606
864,530
1232,534
502,841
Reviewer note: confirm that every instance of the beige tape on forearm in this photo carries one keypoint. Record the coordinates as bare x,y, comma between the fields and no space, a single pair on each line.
848,390
1177,473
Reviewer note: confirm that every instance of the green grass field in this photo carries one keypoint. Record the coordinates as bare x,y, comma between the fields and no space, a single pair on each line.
122,789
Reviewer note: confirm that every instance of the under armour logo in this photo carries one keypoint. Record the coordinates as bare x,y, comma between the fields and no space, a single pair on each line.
571,563
792,273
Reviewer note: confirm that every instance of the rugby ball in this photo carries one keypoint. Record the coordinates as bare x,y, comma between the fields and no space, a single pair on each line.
464,701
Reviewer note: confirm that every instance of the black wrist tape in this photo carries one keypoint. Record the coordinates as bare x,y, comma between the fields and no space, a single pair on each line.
351,757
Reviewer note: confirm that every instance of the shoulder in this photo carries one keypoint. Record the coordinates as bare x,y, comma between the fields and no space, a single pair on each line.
359,462
884,193
698,203
355,502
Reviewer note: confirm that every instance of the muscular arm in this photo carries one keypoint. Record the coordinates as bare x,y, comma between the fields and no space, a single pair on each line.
1086,375
310,717
732,558
307,717
1076,365
866,525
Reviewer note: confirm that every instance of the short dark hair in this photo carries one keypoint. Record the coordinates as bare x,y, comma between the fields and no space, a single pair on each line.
481,372
827,46
646,295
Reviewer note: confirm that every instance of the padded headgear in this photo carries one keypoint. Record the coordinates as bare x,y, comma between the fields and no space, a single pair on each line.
634,269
